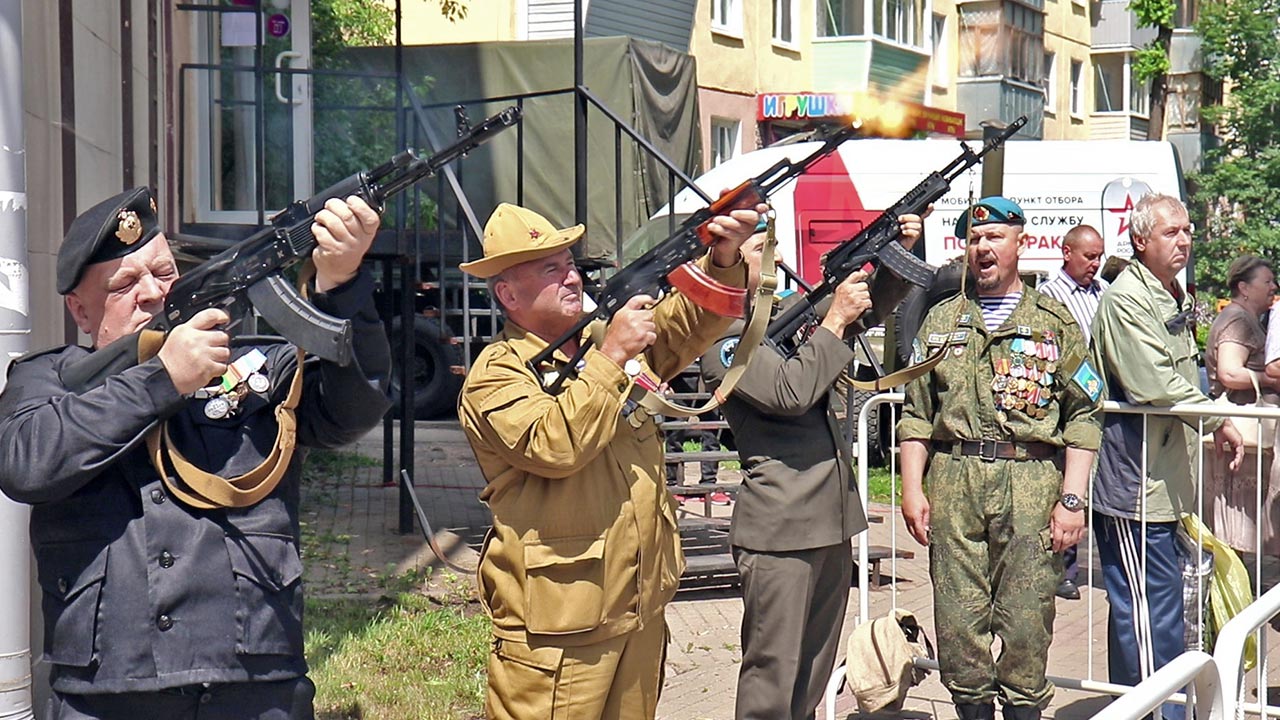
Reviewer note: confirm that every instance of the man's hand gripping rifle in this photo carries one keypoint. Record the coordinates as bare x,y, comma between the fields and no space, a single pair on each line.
670,263
250,271
876,244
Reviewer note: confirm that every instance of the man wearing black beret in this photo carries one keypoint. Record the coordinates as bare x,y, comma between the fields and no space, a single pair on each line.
156,603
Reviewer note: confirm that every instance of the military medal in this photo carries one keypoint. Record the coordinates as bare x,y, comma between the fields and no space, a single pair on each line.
217,408
259,383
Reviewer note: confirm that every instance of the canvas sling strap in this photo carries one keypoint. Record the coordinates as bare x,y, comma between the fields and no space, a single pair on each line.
761,308
204,490
911,372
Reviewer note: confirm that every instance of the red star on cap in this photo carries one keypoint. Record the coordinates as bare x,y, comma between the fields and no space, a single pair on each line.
981,213
1124,213
534,234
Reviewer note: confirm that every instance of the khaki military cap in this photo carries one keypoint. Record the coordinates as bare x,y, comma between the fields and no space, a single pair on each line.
515,235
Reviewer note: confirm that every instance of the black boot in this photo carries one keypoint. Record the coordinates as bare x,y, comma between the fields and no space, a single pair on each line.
976,711
1021,712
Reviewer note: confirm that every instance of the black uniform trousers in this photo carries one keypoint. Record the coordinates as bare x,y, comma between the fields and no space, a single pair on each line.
280,700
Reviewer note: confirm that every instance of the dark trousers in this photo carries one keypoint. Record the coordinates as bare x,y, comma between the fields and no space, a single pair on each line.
1145,626
1070,564
793,607
282,700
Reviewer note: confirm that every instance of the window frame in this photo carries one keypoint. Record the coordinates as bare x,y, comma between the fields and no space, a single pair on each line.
732,25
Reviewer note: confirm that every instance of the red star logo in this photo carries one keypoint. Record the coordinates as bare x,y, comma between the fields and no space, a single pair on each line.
981,213
534,234
1124,213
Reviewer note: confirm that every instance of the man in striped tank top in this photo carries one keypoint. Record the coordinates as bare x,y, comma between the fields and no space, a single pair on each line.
1077,286
1005,428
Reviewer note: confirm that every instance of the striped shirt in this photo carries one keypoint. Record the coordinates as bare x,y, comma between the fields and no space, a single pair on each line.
1081,300
995,310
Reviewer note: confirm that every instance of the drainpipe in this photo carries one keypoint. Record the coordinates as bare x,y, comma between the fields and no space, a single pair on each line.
15,331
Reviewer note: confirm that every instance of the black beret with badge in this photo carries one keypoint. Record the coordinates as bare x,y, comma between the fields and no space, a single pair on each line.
111,229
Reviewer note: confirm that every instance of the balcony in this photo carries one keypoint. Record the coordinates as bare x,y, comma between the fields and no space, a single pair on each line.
1117,126
1115,26
893,69
997,98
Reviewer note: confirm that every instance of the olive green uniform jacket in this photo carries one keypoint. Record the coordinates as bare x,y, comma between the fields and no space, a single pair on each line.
584,545
1147,358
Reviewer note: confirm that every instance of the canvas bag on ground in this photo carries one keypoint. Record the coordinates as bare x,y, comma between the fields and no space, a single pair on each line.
879,669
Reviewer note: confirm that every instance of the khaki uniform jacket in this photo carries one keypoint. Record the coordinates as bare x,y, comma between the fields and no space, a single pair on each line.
584,545
1145,362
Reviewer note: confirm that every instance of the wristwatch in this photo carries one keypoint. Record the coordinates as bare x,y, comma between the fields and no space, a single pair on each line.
1072,501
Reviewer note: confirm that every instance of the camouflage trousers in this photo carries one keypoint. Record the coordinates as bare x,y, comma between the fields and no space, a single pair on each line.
994,575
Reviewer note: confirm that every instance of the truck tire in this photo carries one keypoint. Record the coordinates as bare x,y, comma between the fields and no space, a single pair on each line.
435,386
910,314
875,447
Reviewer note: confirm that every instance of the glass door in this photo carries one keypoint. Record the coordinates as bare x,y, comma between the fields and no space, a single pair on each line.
253,109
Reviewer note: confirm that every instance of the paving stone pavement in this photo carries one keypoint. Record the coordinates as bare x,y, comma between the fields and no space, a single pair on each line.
704,653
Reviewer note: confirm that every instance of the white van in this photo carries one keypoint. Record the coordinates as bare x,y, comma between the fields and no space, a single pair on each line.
1059,184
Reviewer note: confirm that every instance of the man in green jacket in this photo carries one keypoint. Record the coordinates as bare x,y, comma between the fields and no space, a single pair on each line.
1144,345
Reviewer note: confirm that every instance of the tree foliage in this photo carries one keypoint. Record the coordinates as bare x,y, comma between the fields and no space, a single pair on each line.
1237,197
1151,63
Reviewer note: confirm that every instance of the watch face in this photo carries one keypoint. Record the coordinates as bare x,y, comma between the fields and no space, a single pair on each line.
1071,501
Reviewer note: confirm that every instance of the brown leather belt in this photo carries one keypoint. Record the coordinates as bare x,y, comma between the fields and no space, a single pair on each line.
991,450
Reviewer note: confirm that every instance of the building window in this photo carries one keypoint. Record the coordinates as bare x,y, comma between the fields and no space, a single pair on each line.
726,138
941,66
726,16
901,21
1005,39
1050,82
1108,83
1077,88
840,18
784,21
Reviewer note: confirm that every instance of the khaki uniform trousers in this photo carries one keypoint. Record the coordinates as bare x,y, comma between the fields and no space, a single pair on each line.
617,678
994,573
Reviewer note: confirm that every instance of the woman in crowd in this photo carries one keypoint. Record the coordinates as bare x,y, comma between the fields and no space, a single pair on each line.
1235,361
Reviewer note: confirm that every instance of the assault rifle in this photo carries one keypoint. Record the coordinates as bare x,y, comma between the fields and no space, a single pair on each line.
250,271
877,244
670,263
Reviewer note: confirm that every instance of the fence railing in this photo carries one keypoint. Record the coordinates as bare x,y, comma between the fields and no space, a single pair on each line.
1217,683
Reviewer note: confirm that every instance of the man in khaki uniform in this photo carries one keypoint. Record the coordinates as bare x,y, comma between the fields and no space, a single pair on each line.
1006,426
584,554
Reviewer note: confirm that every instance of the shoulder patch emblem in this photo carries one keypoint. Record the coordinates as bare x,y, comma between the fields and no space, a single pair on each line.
727,349
1088,380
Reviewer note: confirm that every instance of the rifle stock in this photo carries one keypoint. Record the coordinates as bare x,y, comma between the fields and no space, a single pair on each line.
249,273
876,244
670,263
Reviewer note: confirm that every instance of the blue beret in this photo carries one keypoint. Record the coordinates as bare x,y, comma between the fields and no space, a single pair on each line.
993,209
111,229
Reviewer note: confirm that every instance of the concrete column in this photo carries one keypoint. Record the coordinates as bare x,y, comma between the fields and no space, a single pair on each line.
15,332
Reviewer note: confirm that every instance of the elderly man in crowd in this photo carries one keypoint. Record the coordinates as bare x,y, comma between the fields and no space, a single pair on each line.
1144,345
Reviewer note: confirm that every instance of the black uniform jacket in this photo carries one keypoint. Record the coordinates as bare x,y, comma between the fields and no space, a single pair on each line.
140,592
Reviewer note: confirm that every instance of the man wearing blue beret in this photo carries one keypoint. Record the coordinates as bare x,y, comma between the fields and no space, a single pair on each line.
156,603
1003,429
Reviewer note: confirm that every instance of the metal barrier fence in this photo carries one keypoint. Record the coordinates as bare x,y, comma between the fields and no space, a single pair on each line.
1219,682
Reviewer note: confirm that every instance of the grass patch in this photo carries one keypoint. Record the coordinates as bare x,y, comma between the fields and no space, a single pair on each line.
881,487
402,659
336,462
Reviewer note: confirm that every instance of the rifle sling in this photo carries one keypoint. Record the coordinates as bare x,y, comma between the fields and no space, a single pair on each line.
205,490
761,310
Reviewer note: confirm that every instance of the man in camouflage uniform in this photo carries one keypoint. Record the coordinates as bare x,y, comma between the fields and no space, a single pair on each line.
1006,424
